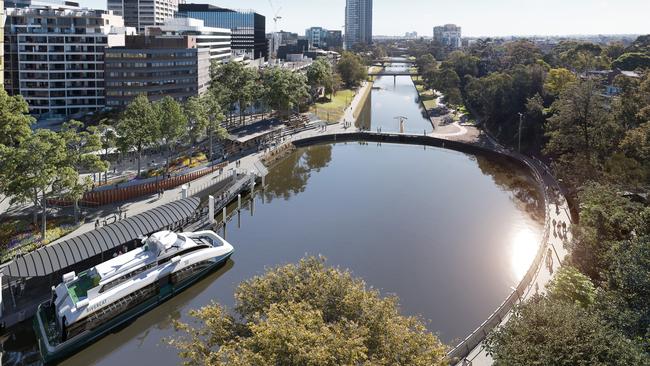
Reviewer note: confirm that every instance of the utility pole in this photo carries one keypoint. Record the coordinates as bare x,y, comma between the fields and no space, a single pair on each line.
521,119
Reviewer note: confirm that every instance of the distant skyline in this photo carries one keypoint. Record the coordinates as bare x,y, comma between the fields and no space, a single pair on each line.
476,17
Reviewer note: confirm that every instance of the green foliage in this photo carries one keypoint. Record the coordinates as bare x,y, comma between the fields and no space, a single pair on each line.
632,61
307,314
235,84
173,122
557,80
197,117
426,63
550,332
628,282
580,133
319,73
352,69
572,286
522,52
462,64
447,82
38,159
138,127
285,89
605,218
15,121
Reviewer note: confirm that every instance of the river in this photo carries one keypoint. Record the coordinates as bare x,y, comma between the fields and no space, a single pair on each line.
446,232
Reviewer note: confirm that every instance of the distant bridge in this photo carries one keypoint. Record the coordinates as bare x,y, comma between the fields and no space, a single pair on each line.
385,61
393,73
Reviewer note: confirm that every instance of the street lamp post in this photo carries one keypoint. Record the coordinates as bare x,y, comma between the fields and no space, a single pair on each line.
521,118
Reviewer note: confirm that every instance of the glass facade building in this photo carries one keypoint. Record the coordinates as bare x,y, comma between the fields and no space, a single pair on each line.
248,28
358,22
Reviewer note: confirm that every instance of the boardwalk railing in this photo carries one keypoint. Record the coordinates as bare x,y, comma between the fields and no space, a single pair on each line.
464,348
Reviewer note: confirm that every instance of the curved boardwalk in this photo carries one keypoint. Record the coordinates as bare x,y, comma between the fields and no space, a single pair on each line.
551,249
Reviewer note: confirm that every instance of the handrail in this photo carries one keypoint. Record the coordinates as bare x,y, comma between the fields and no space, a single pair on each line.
465,347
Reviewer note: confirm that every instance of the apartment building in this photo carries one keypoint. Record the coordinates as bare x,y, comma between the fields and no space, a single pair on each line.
55,56
448,35
143,13
358,22
156,66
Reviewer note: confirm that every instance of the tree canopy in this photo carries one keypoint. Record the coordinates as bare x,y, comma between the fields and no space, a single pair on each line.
307,314
352,69
547,332
138,127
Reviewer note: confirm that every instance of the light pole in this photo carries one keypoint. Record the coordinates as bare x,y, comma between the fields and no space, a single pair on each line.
521,118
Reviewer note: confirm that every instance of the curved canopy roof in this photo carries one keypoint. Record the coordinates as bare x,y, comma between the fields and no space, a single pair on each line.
56,257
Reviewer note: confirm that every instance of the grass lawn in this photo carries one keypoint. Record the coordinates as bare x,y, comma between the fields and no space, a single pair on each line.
427,96
333,110
430,104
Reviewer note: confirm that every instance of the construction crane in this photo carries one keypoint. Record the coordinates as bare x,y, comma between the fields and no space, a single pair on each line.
276,17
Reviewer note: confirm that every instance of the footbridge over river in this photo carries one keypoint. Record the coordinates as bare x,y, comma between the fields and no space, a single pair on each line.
385,72
385,61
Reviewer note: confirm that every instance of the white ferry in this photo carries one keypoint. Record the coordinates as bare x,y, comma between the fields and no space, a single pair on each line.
88,305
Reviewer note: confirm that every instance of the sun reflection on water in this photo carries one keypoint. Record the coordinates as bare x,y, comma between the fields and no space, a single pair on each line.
523,250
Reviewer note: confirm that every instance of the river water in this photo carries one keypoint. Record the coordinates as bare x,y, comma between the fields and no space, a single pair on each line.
446,232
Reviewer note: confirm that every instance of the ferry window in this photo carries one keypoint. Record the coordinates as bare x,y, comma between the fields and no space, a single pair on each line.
126,277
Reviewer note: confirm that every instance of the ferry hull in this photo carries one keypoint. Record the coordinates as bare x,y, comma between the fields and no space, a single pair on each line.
70,347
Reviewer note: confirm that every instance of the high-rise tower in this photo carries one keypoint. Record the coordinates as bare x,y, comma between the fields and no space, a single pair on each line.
358,22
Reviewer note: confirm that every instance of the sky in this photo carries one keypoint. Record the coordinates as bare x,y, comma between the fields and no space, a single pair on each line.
476,17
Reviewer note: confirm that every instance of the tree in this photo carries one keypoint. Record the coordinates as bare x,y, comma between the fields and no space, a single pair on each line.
198,119
352,69
284,89
605,218
521,53
426,63
557,80
307,314
173,124
463,64
573,287
319,74
239,82
628,285
632,61
249,89
580,133
138,127
39,159
108,138
215,117
15,127
551,332
334,84
15,121
82,146
446,81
